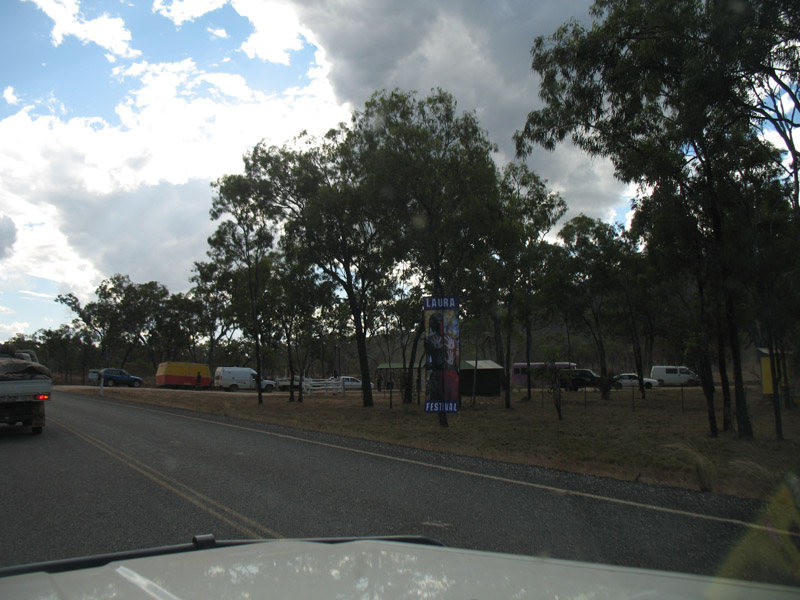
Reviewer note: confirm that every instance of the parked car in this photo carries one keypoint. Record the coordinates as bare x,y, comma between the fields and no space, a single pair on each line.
632,380
283,384
575,379
350,383
674,375
112,377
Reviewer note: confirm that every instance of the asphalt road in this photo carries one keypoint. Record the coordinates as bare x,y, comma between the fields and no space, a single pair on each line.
107,476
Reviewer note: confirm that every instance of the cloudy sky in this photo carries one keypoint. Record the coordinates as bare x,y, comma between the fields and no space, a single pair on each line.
116,115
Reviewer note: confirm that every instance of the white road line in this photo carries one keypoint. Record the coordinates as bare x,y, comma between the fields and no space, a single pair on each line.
538,486
236,520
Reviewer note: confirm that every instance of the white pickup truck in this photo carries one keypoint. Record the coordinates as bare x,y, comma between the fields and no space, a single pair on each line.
25,386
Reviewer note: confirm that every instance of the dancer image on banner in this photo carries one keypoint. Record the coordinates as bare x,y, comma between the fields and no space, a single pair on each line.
441,347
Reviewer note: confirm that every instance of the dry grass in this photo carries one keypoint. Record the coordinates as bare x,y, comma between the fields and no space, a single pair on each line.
663,439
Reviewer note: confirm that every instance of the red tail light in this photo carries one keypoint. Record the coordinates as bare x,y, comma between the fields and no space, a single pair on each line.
43,397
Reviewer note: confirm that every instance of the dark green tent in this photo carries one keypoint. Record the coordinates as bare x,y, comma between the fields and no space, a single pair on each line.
488,382
488,378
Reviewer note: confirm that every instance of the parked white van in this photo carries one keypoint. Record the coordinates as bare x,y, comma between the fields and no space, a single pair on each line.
670,375
239,378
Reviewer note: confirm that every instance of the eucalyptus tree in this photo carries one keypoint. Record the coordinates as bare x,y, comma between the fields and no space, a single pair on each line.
593,261
759,42
145,307
94,321
722,248
211,291
528,212
62,350
765,224
436,165
329,214
301,296
690,317
777,290
177,330
633,301
397,322
105,319
553,298
657,86
342,225
243,244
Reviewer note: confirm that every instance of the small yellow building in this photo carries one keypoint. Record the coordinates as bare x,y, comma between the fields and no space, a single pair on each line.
768,387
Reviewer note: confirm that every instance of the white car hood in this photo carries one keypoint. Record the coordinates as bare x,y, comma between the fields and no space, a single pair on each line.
370,570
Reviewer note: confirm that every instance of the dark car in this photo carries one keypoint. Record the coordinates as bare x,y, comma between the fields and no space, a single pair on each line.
112,377
576,379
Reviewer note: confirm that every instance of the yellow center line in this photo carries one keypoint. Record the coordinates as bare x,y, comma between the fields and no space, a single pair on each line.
497,478
236,520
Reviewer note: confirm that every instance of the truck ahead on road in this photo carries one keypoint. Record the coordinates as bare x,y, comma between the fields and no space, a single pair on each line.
25,386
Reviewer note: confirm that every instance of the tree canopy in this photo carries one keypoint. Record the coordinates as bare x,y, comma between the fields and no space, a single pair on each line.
330,242
680,97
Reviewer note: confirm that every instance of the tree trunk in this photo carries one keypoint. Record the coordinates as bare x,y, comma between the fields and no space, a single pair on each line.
727,423
528,337
775,373
258,368
363,362
508,352
703,366
636,345
557,395
742,416
302,364
475,371
291,369
787,390
84,363
408,391
127,355
498,339
594,330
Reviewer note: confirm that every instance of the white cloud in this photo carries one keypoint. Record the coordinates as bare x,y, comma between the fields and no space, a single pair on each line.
277,29
479,52
42,249
37,294
107,32
9,95
180,11
92,199
8,236
234,86
175,131
5,310
9,330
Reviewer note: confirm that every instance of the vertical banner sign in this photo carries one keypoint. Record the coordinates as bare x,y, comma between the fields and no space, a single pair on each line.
442,349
